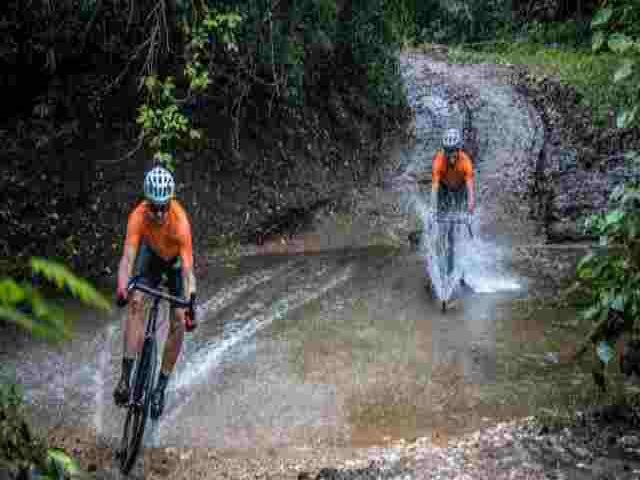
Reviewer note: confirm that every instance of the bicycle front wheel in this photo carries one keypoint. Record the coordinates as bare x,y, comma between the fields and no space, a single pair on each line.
138,410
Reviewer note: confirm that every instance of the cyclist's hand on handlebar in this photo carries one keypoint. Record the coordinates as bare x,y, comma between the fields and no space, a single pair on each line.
121,297
190,315
122,293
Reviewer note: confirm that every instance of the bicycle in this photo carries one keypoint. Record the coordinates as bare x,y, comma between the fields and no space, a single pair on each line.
144,377
444,249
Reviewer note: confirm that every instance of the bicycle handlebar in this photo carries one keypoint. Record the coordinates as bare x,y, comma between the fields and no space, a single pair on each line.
455,219
174,301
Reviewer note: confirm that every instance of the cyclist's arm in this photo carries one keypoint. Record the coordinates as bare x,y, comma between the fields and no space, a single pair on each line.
130,251
436,174
186,257
125,269
471,198
189,281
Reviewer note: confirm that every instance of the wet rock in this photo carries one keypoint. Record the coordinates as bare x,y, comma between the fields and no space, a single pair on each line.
565,231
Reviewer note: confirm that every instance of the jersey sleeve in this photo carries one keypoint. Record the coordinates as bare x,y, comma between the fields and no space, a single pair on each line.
467,167
134,228
437,169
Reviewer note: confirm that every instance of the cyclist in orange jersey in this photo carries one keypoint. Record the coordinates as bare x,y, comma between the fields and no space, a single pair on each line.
452,177
158,242
452,183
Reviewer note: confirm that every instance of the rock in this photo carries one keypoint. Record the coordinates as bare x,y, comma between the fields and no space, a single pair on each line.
565,231
551,358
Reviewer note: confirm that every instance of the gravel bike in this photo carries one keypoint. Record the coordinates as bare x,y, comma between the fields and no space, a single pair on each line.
144,377
443,257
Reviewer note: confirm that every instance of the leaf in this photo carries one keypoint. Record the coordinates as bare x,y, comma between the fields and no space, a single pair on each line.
602,17
617,193
598,41
624,71
10,292
586,260
626,117
591,312
14,316
620,43
60,276
68,464
614,217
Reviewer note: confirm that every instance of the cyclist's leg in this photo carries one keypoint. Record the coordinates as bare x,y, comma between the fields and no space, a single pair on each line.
147,269
177,319
133,327
446,205
175,337
461,206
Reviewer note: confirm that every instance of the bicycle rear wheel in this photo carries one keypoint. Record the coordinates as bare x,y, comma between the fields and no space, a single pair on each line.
138,410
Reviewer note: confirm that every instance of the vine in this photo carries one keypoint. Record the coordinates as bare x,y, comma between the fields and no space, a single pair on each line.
165,127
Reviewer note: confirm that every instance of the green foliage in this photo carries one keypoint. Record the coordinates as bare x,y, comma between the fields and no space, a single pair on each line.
591,75
374,44
21,450
24,305
63,278
610,277
19,447
461,20
165,127
570,33
617,28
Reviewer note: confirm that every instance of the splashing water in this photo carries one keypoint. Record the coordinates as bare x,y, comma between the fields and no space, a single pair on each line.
104,358
474,260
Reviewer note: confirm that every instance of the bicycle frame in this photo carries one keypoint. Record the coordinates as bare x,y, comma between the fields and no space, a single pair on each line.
151,326
444,245
138,407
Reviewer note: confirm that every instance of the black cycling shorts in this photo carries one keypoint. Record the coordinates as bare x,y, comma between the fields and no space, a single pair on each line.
451,201
153,270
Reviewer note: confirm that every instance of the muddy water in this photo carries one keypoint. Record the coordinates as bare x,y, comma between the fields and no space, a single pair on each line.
330,339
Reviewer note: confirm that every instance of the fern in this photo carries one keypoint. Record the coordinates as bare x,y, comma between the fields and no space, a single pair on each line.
63,278
24,306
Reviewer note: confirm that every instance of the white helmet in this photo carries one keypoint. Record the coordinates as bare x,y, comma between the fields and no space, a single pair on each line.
159,186
452,140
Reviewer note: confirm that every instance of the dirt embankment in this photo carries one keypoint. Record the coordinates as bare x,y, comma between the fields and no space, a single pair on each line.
67,182
580,163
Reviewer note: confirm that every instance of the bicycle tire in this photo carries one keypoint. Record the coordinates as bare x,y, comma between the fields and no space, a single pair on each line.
138,414
444,260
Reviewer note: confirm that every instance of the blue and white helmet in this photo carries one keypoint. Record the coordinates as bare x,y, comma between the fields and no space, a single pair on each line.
452,139
159,186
